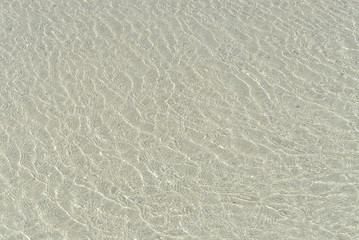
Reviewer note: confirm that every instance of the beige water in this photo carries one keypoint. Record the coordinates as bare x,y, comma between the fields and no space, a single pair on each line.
176,119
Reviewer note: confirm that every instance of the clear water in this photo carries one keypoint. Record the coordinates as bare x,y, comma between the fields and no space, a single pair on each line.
179,119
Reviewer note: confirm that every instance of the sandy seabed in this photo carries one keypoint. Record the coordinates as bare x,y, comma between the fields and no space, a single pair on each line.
176,119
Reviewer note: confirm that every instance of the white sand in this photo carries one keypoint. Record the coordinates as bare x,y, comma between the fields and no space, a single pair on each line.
176,119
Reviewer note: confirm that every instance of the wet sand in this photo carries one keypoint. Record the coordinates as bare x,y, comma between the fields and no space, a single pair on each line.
179,119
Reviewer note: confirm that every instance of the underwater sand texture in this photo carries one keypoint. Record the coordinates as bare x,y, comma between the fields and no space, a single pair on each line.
179,119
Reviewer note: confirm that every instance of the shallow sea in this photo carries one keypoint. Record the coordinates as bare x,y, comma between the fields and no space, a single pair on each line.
175,119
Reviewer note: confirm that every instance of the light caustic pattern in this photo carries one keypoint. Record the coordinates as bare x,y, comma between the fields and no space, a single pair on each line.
179,119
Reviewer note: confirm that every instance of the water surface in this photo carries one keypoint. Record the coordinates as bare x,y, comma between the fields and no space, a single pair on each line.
179,119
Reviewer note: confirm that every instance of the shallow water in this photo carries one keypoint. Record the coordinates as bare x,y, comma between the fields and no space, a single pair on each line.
179,119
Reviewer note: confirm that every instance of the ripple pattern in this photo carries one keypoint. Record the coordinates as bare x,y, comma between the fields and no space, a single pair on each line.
164,119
